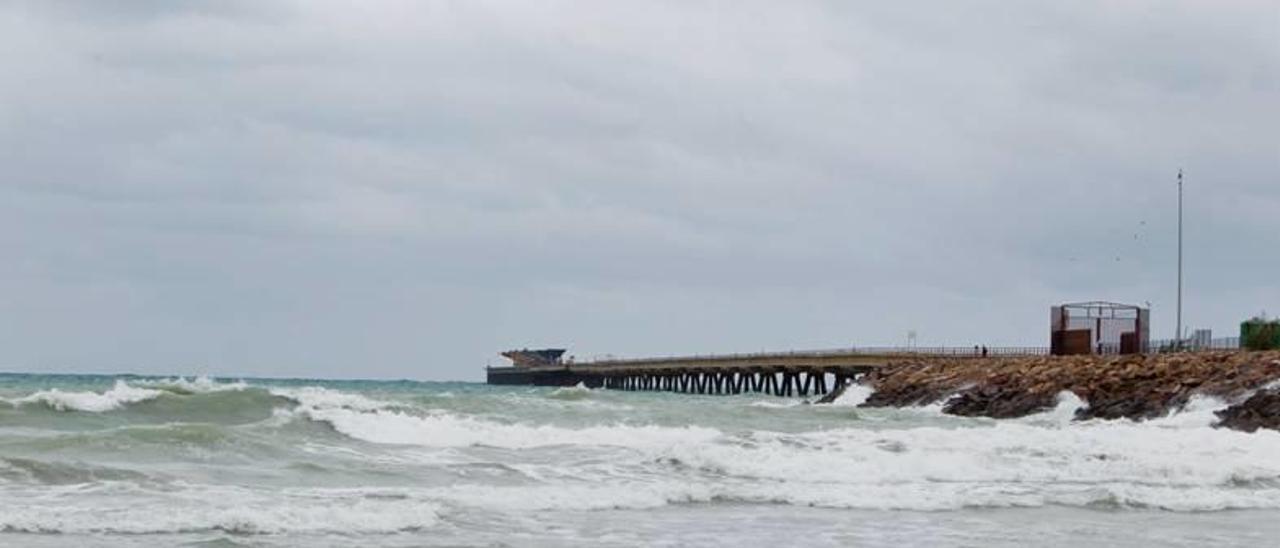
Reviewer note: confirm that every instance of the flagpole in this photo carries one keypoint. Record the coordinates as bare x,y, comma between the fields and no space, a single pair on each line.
1179,335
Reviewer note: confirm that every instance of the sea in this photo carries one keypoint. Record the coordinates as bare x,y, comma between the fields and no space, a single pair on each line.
219,462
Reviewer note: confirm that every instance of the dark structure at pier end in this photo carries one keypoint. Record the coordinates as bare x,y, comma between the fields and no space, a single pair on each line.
1099,328
549,357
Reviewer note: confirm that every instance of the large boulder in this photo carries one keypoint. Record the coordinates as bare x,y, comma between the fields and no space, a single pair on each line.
1261,410
992,401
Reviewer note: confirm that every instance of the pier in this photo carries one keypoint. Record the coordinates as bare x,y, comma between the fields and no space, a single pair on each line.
796,373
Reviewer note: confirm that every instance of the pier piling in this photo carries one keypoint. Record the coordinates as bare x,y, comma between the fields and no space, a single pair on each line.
788,374
779,381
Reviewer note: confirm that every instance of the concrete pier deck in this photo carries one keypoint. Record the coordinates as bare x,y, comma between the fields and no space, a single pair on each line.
795,373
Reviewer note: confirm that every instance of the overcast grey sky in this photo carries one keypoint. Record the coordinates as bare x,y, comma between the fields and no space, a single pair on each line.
403,189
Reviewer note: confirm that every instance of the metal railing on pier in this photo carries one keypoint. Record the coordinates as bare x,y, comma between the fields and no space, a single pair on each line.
1156,347
1164,346
922,351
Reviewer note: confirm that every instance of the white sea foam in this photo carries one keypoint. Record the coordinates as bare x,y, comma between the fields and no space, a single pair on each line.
1199,411
93,402
854,395
464,463
1044,459
384,422
236,511
770,404
449,430
318,397
1133,463
123,393
201,384
919,496
1062,414
576,392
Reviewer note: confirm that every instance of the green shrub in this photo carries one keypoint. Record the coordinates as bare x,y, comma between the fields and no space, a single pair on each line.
1260,334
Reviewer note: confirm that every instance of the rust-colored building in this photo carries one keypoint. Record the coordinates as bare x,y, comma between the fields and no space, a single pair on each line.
1099,328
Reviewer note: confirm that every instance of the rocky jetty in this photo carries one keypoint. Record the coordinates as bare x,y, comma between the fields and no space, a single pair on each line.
1134,387
1261,410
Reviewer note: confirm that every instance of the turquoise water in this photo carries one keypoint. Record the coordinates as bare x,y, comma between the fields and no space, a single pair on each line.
142,461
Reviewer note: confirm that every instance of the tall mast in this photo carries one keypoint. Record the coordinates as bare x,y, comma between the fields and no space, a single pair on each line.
1179,335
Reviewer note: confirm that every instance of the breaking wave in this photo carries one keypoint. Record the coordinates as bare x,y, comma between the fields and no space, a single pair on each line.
571,393
122,394
117,397
450,430
1041,460
854,395
521,455
234,511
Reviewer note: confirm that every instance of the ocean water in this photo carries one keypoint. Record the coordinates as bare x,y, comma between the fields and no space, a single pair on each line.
135,461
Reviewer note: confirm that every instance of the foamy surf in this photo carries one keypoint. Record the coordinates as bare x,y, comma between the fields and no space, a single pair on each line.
235,511
318,397
370,463
449,430
576,392
854,395
92,402
201,384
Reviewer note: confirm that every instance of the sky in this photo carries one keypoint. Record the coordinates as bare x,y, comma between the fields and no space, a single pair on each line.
403,189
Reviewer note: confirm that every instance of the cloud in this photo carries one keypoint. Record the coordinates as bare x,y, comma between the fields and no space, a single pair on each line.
405,188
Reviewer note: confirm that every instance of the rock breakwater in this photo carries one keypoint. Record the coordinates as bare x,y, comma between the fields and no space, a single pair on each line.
1261,410
1133,386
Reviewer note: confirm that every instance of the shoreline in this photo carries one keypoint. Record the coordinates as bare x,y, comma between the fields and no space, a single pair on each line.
1136,387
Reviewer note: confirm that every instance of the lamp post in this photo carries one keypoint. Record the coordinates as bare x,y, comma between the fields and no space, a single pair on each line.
1178,338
